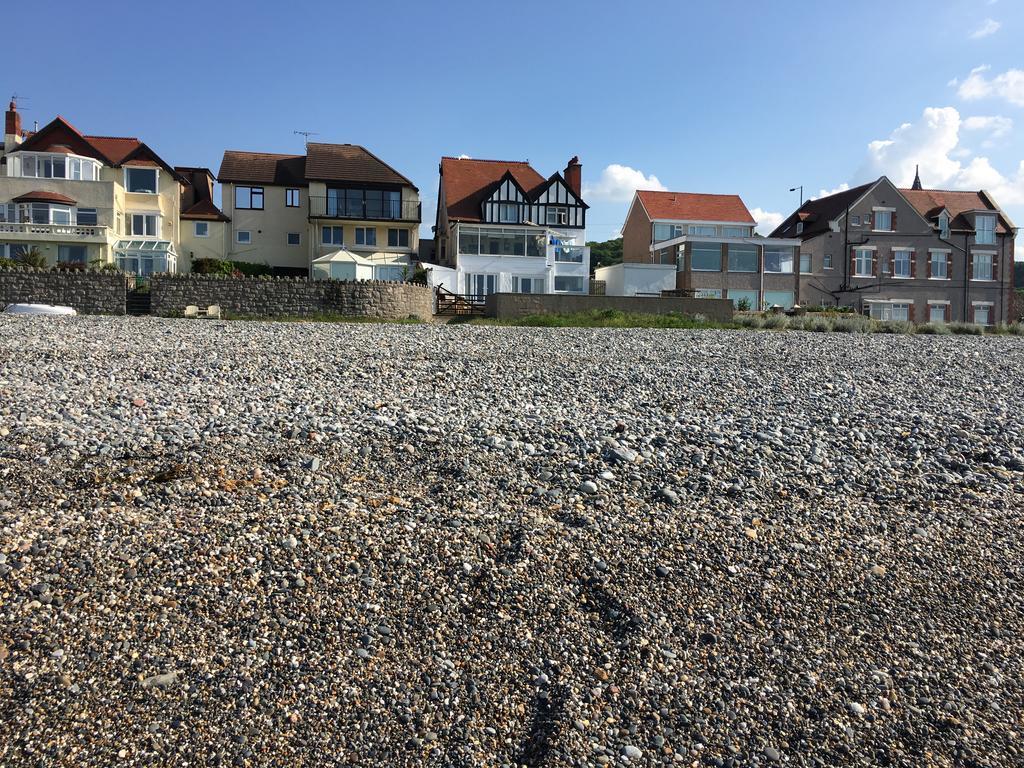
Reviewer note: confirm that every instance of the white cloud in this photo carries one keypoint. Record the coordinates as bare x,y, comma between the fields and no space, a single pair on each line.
464,157
618,183
933,142
996,126
766,220
826,192
1009,85
987,27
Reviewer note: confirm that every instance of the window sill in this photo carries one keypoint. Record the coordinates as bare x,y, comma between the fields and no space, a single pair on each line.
769,272
694,269
884,231
940,279
864,277
903,277
983,280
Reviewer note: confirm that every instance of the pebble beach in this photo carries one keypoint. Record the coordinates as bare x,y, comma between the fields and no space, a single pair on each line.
305,544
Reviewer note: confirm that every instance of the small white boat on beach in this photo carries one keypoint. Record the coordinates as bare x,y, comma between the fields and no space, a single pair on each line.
38,309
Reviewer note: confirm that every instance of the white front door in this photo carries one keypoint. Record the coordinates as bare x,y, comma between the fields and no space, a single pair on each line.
481,285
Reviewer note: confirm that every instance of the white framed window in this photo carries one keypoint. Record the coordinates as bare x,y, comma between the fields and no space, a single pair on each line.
569,284
508,212
985,229
144,181
398,238
778,259
143,224
805,264
201,228
532,284
332,235
481,285
982,313
50,166
249,198
937,311
863,262
294,238
366,235
667,232
557,214
243,236
889,310
702,230
902,263
728,231
827,261
882,220
938,265
944,225
982,266
291,198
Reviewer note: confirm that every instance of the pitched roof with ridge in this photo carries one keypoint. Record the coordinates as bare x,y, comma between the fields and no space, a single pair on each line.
693,206
262,168
930,203
61,136
467,183
197,195
816,214
349,162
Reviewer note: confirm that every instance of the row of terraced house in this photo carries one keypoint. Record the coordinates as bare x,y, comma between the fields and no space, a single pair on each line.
338,211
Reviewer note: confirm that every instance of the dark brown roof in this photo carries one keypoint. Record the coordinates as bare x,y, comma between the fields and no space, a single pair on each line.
262,168
816,214
691,206
61,136
930,203
197,195
467,183
41,196
349,162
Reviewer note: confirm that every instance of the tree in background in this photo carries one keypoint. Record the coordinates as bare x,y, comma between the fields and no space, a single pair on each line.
605,254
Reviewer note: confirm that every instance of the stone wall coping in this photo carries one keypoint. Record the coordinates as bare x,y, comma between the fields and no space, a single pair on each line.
282,279
54,271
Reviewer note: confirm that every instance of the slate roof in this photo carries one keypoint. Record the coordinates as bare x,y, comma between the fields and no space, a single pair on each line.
240,167
816,214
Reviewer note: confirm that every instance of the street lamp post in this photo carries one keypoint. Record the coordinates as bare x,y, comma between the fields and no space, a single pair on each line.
801,188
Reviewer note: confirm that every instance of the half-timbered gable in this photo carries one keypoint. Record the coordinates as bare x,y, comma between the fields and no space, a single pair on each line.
507,204
555,205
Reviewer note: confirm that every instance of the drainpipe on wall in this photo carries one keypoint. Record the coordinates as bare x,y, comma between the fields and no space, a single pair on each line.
967,276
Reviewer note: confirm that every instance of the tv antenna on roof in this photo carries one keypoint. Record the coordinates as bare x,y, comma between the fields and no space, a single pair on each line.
305,135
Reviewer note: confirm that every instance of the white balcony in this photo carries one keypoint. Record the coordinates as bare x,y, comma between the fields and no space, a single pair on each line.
33,232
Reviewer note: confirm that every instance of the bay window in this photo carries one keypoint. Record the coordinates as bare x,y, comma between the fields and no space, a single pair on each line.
141,180
142,224
53,166
778,259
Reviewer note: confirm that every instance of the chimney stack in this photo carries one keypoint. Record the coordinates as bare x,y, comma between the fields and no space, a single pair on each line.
574,174
12,121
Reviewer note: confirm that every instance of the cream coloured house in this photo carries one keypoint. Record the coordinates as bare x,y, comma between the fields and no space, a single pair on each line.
338,211
87,200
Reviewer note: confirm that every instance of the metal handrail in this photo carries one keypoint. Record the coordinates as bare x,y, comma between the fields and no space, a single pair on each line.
365,210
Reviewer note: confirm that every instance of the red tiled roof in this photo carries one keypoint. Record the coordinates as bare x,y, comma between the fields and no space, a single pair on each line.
204,210
930,202
467,183
117,148
349,162
42,196
690,206
262,168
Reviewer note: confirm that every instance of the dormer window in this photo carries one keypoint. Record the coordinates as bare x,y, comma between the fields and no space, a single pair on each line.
944,225
141,180
985,229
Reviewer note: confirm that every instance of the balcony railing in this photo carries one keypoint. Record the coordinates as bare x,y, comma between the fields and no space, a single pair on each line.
52,230
369,210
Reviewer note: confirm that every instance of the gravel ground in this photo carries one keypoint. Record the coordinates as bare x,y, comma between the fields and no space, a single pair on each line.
371,545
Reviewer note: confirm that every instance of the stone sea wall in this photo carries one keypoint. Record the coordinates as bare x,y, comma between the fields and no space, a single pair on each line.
89,292
285,296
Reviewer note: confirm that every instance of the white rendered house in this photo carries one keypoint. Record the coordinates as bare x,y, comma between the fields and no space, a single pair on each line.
503,228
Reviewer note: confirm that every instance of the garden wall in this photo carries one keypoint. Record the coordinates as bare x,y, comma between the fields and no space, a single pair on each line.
89,292
287,296
512,305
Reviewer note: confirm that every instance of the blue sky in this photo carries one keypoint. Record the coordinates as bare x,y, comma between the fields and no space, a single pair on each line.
722,97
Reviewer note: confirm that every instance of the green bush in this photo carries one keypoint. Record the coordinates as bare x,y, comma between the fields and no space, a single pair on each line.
420,275
9,263
775,322
1015,329
749,321
851,324
225,267
934,329
33,257
966,329
893,326
743,305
